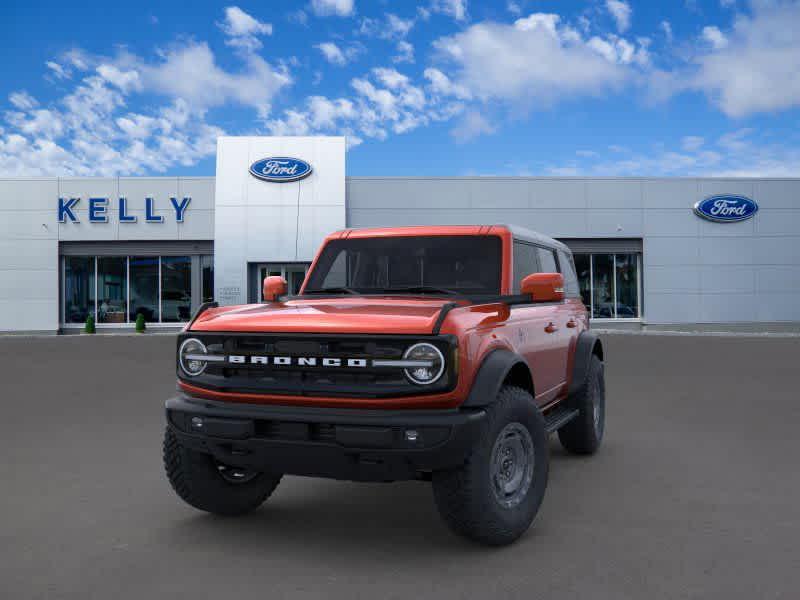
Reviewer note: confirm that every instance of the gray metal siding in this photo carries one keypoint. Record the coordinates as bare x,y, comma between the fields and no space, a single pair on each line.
164,248
693,270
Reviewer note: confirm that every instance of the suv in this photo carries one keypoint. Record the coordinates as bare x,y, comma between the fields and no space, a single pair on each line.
443,354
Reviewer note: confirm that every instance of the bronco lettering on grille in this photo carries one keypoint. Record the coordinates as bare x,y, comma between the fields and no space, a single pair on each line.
301,361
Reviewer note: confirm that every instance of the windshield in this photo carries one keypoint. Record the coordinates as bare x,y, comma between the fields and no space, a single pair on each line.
464,264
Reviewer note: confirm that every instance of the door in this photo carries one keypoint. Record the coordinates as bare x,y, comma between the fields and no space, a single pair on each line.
293,273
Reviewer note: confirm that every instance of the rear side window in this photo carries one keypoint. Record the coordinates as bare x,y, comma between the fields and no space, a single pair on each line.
571,289
547,260
526,261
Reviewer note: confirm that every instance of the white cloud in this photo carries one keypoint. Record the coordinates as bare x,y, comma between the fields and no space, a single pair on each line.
385,101
58,70
405,53
91,131
398,27
339,8
735,154
243,29
191,72
22,100
514,8
666,27
715,37
758,70
536,60
692,143
336,55
391,27
453,8
621,11
440,84
472,124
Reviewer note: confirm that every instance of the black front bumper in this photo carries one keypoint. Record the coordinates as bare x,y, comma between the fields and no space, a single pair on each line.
353,444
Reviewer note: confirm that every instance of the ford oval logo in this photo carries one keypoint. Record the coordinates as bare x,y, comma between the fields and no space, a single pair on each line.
280,169
725,208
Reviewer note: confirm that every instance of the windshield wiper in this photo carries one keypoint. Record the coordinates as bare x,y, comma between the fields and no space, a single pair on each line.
333,290
421,289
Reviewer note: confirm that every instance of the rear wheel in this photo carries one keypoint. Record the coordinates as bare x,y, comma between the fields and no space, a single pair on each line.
208,485
584,433
494,496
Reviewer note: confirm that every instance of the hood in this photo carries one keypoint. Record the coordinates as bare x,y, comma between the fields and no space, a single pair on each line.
357,314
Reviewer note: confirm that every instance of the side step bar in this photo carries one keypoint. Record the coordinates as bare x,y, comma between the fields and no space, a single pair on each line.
559,417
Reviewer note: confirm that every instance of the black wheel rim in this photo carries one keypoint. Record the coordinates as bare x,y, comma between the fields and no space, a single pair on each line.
598,406
512,464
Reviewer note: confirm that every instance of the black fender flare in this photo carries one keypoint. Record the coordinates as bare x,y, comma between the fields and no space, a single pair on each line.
588,344
490,376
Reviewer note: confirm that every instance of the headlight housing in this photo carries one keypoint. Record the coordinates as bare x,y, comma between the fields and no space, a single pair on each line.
430,363
190,357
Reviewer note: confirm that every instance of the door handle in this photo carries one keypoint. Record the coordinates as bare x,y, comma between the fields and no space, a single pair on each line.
572,323
551,327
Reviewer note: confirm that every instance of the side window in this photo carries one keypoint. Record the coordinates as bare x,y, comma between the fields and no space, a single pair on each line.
525,262
547,260
571,289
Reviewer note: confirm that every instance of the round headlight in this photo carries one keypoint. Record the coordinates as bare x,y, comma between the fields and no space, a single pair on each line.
190,357
431,363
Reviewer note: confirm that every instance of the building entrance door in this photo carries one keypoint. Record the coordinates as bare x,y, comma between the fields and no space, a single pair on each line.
293,273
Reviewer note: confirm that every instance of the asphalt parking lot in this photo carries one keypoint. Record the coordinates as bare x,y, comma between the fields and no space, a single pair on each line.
695,494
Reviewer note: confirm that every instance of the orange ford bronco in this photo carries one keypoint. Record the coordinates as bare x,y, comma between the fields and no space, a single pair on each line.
444,354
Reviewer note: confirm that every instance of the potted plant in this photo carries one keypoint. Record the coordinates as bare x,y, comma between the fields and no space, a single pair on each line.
89,327
140,323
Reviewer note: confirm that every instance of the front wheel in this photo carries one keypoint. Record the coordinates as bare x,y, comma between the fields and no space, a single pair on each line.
495,495
211,486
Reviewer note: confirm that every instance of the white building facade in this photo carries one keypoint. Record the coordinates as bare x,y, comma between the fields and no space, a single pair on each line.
115,248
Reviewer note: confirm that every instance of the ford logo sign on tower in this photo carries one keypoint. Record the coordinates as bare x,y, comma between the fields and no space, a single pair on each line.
726,209
280,169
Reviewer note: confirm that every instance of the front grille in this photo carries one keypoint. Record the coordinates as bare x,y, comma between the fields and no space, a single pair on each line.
316,380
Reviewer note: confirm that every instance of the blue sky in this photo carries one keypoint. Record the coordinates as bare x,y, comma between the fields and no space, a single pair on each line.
438,87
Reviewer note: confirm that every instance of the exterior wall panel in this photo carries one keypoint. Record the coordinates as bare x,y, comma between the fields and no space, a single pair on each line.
692,270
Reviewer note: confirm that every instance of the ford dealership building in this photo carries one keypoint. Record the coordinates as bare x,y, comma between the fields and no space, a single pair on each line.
648,251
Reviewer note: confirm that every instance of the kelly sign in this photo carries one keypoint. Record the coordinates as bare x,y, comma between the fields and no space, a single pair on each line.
98,210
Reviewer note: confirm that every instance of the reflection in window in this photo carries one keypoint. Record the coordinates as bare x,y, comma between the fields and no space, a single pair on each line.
602,286
207,270
627,286
582,266
112,280
176,288
144,288
78,288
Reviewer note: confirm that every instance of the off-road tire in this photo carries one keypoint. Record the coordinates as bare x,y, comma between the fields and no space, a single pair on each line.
465,495
583,435
195,477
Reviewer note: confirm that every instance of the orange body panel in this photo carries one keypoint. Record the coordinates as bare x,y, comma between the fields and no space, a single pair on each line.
545,334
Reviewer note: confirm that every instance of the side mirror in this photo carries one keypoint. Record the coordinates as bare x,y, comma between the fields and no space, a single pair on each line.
274,286
543,287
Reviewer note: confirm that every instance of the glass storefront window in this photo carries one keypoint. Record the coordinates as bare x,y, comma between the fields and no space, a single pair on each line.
582,266
603,286
112,284
78,288
144,288
207,269
610,284
627,279
176,288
